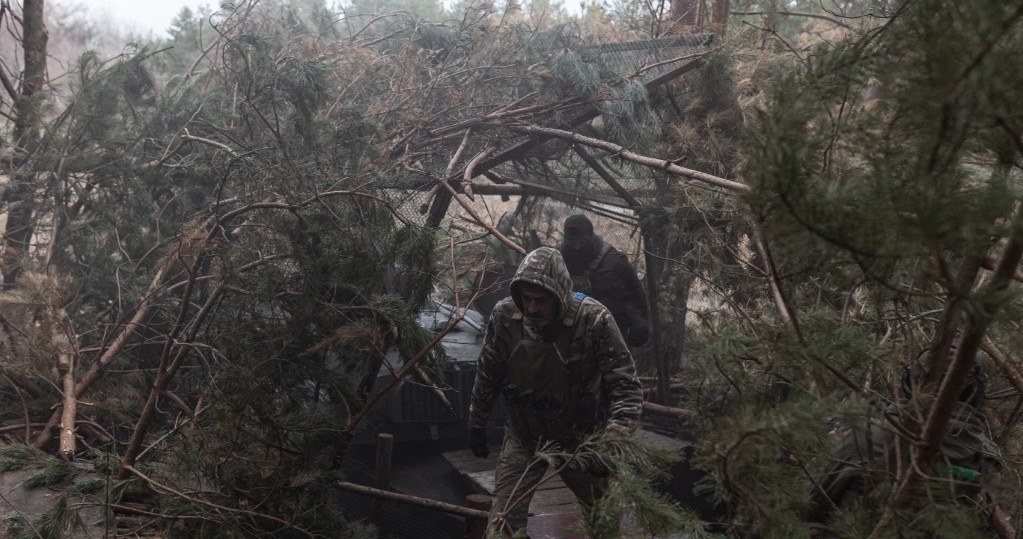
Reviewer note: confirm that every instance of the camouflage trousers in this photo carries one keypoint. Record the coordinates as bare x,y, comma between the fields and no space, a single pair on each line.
518,472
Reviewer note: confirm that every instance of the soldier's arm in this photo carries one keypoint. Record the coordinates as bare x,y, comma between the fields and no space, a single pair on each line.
491,370
618,372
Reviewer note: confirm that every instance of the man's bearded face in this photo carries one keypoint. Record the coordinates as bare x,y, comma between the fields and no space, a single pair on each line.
539,306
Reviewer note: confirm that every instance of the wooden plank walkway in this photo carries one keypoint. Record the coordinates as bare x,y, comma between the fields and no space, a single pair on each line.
554,512
552,497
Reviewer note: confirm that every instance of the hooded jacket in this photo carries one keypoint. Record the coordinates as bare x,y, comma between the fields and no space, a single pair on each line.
594,359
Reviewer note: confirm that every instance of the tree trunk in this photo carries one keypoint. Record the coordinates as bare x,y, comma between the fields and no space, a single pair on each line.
67,366
685,13
719,16
19,229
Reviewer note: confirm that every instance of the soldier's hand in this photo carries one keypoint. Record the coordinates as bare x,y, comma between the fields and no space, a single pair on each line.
614,432
596,468
478,442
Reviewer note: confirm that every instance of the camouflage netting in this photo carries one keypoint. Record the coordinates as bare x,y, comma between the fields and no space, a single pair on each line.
526,187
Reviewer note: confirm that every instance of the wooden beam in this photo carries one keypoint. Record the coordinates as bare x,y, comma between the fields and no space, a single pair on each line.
606,176
413,500
522,187
652,162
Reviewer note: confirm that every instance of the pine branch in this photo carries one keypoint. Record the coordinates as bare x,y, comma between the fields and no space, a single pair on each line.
167,367
6,81
197,501
142,310
186,137
603,173
355,420
1012,372
1002,523
677,413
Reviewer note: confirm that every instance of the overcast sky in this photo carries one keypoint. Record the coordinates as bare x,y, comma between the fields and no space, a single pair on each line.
141,16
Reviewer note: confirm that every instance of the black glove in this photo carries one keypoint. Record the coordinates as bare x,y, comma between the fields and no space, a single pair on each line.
596,468
478,443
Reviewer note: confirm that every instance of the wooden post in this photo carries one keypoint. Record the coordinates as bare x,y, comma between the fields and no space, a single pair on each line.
385,447
382,470
653,264
476,528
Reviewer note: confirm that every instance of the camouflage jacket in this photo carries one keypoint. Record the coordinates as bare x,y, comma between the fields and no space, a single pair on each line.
602,387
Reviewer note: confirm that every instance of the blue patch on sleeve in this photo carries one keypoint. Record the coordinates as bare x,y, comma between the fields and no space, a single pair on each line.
579,296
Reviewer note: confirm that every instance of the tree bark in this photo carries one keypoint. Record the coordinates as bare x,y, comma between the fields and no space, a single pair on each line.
18,230
34,38
685,13
652,162
678,413
167,369
719,16
67,365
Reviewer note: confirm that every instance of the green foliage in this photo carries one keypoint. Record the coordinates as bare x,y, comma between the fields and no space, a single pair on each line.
879,171
55,471
635,467
850,167
77,486
23,457
582,77
240,204
56,523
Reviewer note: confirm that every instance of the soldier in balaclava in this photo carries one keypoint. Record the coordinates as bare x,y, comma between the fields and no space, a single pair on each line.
605,274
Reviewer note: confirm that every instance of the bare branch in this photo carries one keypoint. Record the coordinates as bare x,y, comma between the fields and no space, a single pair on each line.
652,162
413,500
832,20
197,501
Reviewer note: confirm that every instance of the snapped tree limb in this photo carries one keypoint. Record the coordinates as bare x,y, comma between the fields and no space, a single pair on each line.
652,162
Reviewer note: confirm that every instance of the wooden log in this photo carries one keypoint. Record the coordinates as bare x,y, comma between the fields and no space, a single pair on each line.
413,500
68,368
680,413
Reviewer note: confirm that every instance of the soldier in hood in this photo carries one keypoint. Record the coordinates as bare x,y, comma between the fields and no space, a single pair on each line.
566,374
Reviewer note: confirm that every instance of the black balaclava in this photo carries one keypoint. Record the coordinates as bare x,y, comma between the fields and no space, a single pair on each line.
576,227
